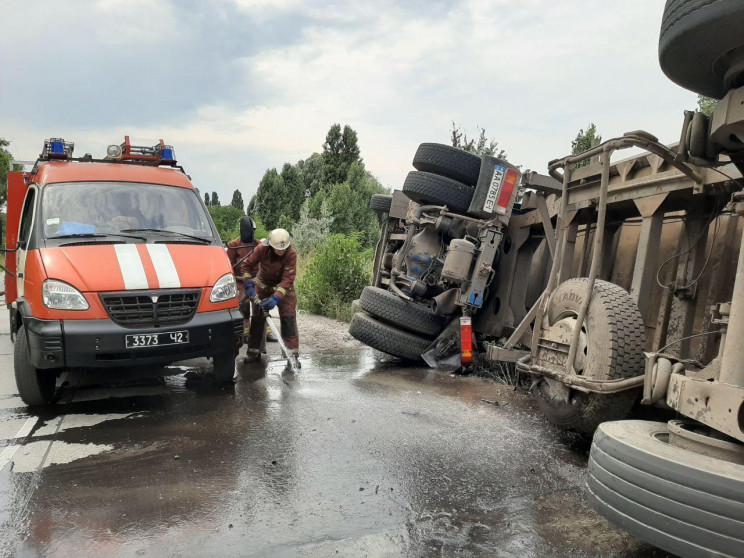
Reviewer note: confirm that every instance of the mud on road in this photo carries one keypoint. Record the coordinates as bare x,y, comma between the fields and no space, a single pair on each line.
354,456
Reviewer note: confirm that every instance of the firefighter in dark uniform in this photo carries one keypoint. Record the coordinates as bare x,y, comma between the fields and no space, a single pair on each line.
238,251
270,275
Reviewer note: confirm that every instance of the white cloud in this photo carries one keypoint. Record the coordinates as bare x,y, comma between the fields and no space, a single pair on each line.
531,72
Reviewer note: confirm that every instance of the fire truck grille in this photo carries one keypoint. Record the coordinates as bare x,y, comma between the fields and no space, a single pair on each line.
140,309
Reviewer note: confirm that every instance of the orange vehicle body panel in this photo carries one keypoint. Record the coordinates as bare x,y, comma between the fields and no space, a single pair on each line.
54,171
17,189
96,269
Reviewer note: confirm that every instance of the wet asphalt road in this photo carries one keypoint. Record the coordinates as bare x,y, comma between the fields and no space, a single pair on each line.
355,456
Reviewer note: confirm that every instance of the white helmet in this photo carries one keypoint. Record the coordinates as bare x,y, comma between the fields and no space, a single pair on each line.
279,239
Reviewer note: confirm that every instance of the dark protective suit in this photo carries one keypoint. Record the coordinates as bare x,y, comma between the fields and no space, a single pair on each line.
274,274
238,251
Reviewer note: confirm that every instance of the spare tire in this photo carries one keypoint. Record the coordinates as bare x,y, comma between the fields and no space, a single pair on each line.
683,502
448,161
394,310
431,189
615,337
701,45
380,203
386,338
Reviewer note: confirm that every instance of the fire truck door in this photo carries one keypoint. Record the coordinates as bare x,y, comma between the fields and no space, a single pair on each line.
24,233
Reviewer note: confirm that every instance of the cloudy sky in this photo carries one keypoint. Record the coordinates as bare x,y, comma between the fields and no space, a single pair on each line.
239,86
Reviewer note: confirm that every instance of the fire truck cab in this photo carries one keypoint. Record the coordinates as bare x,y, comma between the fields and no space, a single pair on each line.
113,263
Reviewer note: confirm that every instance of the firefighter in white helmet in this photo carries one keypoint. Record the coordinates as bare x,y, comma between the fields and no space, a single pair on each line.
269,275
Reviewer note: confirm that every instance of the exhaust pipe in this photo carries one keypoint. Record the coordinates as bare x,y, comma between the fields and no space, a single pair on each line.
444,303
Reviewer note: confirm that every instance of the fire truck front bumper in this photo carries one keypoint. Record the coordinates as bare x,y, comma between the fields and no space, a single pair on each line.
104,344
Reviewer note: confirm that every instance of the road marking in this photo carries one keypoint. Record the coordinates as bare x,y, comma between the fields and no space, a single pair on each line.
9,451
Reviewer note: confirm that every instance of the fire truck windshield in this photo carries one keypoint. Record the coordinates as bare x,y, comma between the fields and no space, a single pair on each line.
99,208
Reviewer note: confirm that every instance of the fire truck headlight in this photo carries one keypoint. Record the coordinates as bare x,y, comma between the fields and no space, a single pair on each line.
61,296
224,289
113,151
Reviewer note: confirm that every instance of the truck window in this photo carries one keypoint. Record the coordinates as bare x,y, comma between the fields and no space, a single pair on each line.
112,207
27,216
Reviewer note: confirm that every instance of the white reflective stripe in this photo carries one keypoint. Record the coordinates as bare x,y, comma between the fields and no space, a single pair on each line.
131,266
165,269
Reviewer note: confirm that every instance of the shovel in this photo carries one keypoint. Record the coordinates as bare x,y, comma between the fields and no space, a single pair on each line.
291,359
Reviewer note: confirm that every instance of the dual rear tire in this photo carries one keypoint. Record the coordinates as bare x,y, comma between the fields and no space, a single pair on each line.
395,326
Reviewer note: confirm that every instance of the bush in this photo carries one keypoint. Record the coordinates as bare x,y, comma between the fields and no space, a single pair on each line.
335,276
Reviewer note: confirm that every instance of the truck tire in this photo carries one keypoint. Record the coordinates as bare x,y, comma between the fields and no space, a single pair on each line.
387,338
686,503
36,387
380,203
224,367
430,189
392,309
615,339
448,161
701,45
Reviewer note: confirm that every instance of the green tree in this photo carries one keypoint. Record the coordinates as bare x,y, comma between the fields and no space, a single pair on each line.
584,141
268,202
215,199
6,165
237,200
706,104
227,220
480,145
207,201
336,176
340,151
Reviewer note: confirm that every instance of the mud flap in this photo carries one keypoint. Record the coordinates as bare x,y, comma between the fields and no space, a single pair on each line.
444,352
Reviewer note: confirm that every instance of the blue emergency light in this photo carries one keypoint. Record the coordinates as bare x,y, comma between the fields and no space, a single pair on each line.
167,155
57,148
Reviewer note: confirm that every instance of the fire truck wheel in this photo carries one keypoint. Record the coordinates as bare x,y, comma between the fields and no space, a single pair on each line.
448,161
392,309
430,189
701,45
380,203
684,502
224,367
386,338
36,387
614,349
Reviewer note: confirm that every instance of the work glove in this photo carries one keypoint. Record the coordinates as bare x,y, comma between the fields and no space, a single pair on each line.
269,303
249,285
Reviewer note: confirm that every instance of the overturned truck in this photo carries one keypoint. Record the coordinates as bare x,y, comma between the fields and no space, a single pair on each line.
612,282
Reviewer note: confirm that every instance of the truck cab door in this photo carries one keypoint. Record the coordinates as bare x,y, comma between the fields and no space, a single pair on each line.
17,189
24,234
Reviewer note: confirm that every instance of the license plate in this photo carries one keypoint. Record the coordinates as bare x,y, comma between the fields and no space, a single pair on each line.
493,189
138,341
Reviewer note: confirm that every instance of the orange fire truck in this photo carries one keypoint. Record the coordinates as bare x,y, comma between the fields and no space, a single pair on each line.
111,263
